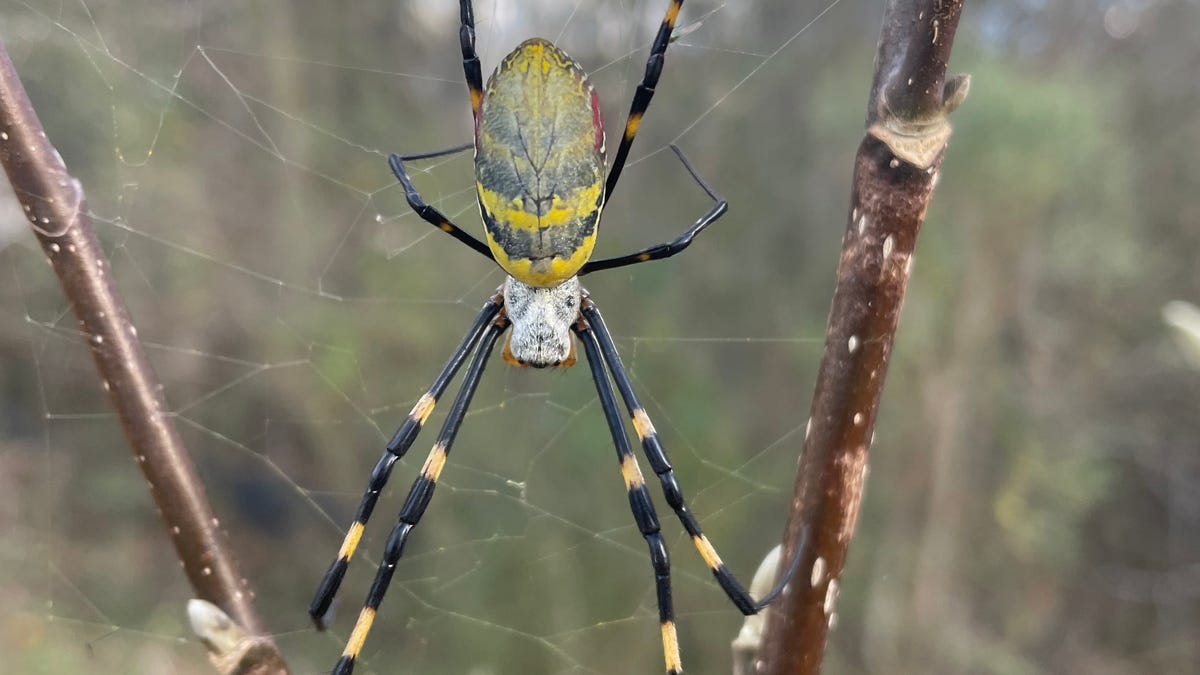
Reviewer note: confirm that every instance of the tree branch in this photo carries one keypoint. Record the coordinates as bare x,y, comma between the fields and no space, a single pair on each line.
895,171
57,211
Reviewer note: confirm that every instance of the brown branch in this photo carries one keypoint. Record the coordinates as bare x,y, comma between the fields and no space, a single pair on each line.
894,175
54,203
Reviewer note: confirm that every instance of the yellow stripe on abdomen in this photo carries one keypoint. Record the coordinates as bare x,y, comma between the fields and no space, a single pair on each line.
546,271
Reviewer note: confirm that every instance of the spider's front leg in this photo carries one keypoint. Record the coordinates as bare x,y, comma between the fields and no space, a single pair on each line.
639,499
401,441
419,496
657,457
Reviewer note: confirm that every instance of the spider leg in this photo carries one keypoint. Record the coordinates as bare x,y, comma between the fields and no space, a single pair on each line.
471,69
438,153
419,496
427,212
660,251
657,457
639,499
396,448
645,91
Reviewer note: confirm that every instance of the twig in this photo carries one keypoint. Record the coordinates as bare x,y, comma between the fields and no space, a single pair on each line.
894,175
54,203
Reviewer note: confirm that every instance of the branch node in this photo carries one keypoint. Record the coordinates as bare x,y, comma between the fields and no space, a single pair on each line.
920,140
232,650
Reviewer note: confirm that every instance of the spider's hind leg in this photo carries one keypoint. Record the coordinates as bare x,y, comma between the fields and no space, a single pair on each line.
645,91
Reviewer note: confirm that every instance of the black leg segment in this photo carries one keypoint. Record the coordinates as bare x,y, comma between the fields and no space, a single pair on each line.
657,457
639,499
419,497
427,212
645,91
719,207
401,441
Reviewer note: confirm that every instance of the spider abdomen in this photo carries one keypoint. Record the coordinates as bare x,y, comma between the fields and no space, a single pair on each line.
539,164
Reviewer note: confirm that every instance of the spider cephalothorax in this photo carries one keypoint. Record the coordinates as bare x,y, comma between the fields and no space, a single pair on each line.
541,323
539,167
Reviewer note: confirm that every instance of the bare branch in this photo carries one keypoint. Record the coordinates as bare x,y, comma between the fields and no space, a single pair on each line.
57,211
894,175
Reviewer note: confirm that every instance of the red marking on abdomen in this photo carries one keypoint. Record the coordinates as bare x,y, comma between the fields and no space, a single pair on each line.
597,122
478,119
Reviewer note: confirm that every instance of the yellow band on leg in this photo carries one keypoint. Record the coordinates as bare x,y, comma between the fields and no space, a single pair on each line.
671,648
359,635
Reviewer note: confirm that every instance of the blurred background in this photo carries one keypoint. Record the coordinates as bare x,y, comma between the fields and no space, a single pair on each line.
1033,503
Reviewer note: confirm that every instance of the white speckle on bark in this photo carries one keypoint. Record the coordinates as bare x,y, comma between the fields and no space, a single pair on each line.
818,571
830,596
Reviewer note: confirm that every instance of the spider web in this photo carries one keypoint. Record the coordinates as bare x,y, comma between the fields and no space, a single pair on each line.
294,308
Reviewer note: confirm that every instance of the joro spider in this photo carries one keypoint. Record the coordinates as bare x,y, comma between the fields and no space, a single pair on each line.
539,164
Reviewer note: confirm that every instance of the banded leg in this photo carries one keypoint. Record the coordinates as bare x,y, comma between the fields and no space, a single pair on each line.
427,212
666,475
639,499
660,251
471,69
418,498
396,448
645,91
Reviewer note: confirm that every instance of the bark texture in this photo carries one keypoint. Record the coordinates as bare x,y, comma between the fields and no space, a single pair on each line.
54,203
895,172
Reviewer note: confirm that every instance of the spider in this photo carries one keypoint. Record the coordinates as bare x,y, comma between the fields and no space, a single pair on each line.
539,165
